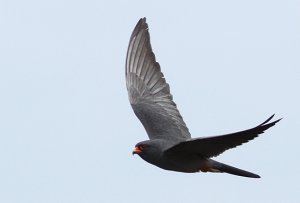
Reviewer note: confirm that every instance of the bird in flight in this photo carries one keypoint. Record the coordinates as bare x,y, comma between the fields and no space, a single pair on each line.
170,145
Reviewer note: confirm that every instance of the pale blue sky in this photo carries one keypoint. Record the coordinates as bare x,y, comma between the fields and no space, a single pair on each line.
66,127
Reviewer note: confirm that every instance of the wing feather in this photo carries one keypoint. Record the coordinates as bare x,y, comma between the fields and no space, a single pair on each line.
215,145
148,92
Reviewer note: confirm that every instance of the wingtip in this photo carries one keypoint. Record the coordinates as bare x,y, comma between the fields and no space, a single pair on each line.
255,176
270,118
276,121
142,21
141,25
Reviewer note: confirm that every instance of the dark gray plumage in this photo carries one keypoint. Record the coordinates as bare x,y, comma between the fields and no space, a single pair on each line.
170,146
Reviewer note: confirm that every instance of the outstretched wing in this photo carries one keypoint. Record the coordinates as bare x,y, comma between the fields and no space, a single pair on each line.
148,92
213,146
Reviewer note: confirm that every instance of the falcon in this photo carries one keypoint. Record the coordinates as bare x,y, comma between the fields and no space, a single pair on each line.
170,145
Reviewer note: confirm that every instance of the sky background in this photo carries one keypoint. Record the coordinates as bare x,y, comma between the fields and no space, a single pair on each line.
66,127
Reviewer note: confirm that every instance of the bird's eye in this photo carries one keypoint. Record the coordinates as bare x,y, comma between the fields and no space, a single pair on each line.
141,147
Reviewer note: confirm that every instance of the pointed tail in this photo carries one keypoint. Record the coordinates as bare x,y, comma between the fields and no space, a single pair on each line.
220,167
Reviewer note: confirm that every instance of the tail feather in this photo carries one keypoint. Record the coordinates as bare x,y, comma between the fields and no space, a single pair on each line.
220,167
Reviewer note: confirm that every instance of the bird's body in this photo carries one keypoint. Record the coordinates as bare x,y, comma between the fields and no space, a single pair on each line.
180,162
170,146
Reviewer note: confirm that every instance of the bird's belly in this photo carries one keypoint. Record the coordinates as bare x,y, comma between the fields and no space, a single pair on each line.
187,164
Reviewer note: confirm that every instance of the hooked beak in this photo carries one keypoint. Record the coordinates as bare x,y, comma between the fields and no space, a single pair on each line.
136,151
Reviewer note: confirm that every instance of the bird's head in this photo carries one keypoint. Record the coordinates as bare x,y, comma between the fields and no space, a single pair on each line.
148,149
